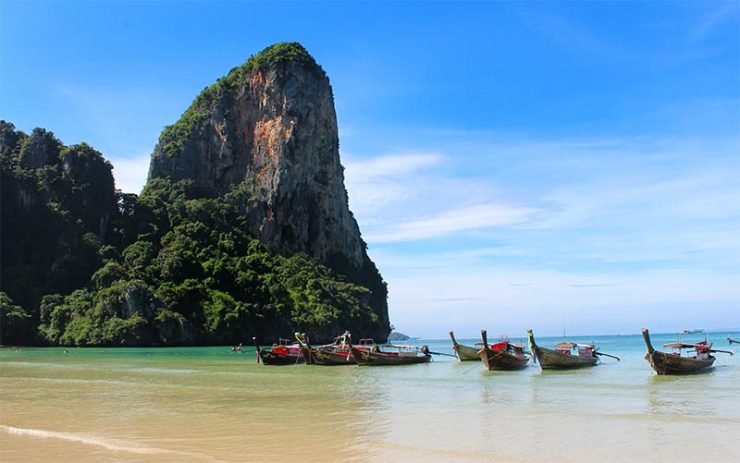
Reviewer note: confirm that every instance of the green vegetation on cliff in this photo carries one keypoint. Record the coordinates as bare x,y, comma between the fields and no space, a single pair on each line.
279,53
83,264
58,207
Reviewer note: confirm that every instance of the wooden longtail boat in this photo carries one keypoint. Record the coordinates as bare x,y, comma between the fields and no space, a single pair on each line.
502,355
562,357
405,355
674,363
732,341
337,353
464,353
280,354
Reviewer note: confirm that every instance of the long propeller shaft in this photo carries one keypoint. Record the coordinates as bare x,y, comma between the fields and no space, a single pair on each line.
723,351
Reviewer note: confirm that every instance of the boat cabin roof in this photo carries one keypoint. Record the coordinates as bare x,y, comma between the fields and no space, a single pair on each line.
572,345
566,345
683,345
678,345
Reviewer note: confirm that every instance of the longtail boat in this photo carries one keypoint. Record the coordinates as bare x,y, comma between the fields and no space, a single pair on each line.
502,355
566,355
337,353
732,341
280,354
674,363
403,355
464,353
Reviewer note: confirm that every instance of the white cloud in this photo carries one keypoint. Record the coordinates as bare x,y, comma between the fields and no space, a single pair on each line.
648,199
608,199
717,15
413,196
375,184
612,233
392,165
131,173
455,221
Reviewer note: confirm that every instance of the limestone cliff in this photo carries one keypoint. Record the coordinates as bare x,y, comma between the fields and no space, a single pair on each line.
271,125
57,203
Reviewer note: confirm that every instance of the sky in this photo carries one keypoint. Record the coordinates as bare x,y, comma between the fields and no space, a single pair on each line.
562,166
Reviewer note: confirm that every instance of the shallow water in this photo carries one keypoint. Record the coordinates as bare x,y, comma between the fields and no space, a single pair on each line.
211,405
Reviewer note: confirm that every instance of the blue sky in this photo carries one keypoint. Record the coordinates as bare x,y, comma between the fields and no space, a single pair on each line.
511,164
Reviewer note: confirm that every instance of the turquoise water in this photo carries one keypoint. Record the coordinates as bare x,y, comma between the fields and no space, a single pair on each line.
209,404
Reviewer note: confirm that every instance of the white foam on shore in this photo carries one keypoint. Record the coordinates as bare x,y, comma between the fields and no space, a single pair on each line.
114,445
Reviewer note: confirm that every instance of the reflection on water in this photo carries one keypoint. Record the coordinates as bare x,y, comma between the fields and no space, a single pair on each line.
677,395
203,404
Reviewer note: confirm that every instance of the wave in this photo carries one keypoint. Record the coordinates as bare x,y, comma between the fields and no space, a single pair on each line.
115,445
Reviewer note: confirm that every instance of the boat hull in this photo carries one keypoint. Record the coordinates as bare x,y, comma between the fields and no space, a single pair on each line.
271,358
465,353
672,364
552,360
500,360
325,357
368,357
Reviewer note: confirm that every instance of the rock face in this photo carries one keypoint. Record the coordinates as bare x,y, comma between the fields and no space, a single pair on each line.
270,124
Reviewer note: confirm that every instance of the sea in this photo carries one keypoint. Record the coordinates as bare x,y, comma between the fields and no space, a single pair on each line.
208,404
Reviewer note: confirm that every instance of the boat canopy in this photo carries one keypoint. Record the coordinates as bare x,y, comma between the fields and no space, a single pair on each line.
679,345
499,346
566,345
572,345
503,345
